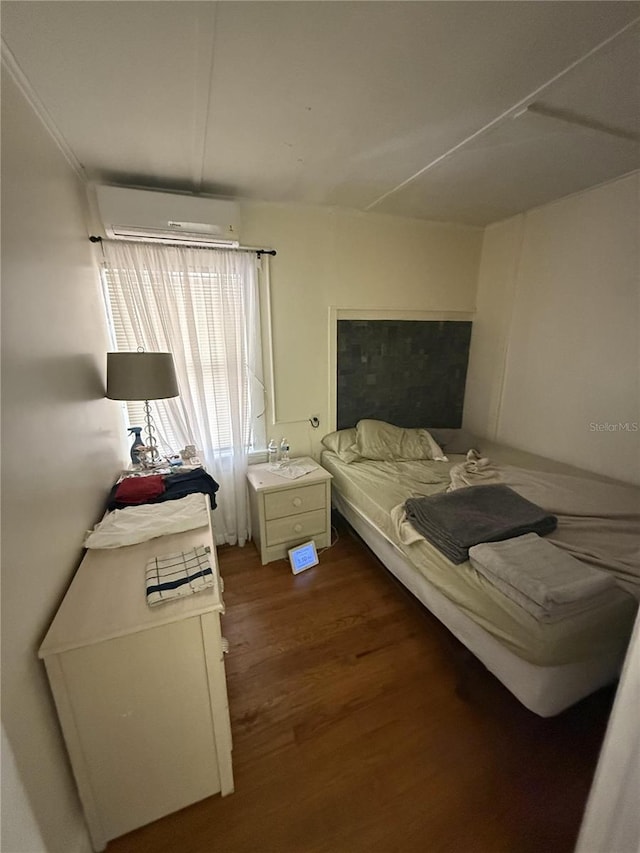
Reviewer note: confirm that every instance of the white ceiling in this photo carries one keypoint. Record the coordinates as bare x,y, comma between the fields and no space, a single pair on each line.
407,108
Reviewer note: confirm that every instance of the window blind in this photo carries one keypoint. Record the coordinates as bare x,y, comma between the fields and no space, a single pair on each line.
209,308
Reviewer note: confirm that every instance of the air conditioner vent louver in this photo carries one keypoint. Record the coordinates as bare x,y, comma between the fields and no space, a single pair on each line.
146,214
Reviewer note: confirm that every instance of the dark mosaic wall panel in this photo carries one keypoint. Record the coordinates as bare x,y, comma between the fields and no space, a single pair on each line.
407,372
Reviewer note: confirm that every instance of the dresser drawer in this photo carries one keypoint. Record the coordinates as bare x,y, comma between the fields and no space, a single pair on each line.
296,527
293,501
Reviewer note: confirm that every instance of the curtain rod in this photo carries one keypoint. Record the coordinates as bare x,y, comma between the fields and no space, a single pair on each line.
94,239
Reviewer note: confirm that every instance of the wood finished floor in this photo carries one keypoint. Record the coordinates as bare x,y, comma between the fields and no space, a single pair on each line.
351,735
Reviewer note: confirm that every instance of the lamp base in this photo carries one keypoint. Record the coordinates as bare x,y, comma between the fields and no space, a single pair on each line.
150,430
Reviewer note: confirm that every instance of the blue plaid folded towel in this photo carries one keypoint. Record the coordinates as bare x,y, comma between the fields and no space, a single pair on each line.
177,575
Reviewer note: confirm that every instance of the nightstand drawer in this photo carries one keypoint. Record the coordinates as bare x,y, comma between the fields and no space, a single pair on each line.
293,501
296,527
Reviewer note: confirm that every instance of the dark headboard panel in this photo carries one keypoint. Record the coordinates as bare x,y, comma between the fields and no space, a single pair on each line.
410,373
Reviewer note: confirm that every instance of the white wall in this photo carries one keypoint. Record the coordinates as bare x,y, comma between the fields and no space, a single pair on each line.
555,348
20,831
347,260
612,820
60,442
63,437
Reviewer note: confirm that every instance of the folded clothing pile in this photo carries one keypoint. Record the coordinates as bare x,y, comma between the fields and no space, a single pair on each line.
157,488
455,521
135,524
540,577
139,490
176,575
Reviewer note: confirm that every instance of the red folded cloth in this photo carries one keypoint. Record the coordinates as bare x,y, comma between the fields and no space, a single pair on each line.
139,490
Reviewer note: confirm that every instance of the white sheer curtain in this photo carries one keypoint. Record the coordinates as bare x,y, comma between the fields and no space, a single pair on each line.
203,306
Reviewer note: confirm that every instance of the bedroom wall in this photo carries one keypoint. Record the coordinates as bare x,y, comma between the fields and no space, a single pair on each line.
554,361
60,441
348,260
611,819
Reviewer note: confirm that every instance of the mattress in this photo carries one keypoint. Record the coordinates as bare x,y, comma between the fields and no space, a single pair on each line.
374,488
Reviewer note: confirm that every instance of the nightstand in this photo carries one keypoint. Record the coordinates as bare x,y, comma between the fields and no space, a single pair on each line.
286,512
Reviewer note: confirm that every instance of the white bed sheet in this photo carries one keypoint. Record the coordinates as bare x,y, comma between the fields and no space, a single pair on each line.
545,690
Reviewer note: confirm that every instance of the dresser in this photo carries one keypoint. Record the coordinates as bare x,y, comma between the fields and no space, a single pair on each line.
286,512
140,691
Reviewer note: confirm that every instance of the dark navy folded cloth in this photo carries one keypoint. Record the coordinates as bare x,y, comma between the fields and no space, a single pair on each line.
176,486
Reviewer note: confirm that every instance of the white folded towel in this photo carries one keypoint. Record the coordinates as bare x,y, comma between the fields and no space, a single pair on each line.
136,524
176,575
549,583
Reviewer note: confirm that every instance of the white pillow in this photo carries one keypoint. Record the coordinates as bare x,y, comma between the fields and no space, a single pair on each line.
385,442
342,443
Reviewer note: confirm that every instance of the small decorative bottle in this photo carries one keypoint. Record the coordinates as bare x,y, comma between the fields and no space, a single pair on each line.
272,454
284,453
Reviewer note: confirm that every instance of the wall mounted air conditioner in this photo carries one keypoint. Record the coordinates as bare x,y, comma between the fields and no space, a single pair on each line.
147,214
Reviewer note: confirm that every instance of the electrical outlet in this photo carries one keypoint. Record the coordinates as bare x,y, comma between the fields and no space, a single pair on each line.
314,420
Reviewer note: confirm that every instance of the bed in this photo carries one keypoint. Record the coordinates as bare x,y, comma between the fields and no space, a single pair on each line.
547,666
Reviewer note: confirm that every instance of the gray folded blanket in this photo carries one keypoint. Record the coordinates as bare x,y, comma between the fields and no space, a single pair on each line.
540,577
455,521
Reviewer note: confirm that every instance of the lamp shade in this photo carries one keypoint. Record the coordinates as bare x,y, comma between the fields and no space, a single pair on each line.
141,376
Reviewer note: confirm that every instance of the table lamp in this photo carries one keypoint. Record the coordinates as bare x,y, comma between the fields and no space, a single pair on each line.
142,376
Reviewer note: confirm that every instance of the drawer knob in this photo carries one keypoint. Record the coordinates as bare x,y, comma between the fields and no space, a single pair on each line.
297,501
297,528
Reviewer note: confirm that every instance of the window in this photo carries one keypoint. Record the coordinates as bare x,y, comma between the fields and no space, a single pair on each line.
175,299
